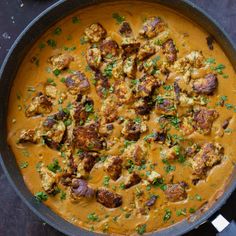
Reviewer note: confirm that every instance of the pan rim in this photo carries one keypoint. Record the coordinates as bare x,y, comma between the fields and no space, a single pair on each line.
196,223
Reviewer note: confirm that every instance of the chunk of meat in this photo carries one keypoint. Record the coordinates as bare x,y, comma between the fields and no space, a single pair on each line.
209,155
53,132
170,50
77,83
152,27
132,180
61,61
123,92
51,91
94,58
102,84
145,51
132,130
176,192
153,177
80,188
95,33
204,119
48,179
206,85
109,109
29,136
165,106
147,85
129,46
172,153
186,126
113,167
129,66
109,49
137,153
39,105
109,199
151,201
87,138
87,161
125,29
82,109
143,106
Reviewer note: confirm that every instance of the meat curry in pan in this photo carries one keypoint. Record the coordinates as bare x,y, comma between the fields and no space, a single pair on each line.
122,118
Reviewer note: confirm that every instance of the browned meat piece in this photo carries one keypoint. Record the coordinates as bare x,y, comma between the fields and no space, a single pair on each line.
145,51
113,166
146,85
129,46
170,50
61,61
151,201
80,188
88,160
102,84
29,136
132,130
48,179
204,119
176,192
82,109
77,83
87,138
123,91
132,180
192,150
226,123
206,85
39,105
209,155
109,109
139,155
143,106
61,115
165,106
94,58
109,49
95,32
53,132
187,125
125,29
109,199
152,27
172,153
51,91
129,66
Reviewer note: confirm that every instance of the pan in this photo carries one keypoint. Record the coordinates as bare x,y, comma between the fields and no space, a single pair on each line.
7,74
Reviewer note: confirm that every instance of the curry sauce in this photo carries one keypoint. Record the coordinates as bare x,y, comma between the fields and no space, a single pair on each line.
122,118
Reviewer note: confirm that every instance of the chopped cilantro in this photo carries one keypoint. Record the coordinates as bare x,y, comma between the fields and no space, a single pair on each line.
108,70
168,87
89,108
63,195
68,122
54,166
211,60
75,20
24,164
122,186
83,40
52,43
106,180
41,196
137,120
198,197
25,152
93,217
70,48
57,31
141,229
167,215
128,143
192,210
127,215
119,19
180,212
56,72
42,46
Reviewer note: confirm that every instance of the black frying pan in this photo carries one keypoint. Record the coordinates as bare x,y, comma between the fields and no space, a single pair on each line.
7,74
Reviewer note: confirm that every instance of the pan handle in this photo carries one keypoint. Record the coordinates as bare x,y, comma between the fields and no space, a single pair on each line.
224,227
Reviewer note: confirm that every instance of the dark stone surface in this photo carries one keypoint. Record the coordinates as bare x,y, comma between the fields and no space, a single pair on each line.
15,218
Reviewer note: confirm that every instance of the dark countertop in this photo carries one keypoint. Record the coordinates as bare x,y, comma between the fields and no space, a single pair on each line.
15,217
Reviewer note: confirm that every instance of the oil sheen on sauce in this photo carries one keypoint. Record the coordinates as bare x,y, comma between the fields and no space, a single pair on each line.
123,220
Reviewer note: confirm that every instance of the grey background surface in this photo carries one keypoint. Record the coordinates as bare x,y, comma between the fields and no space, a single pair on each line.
15,218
